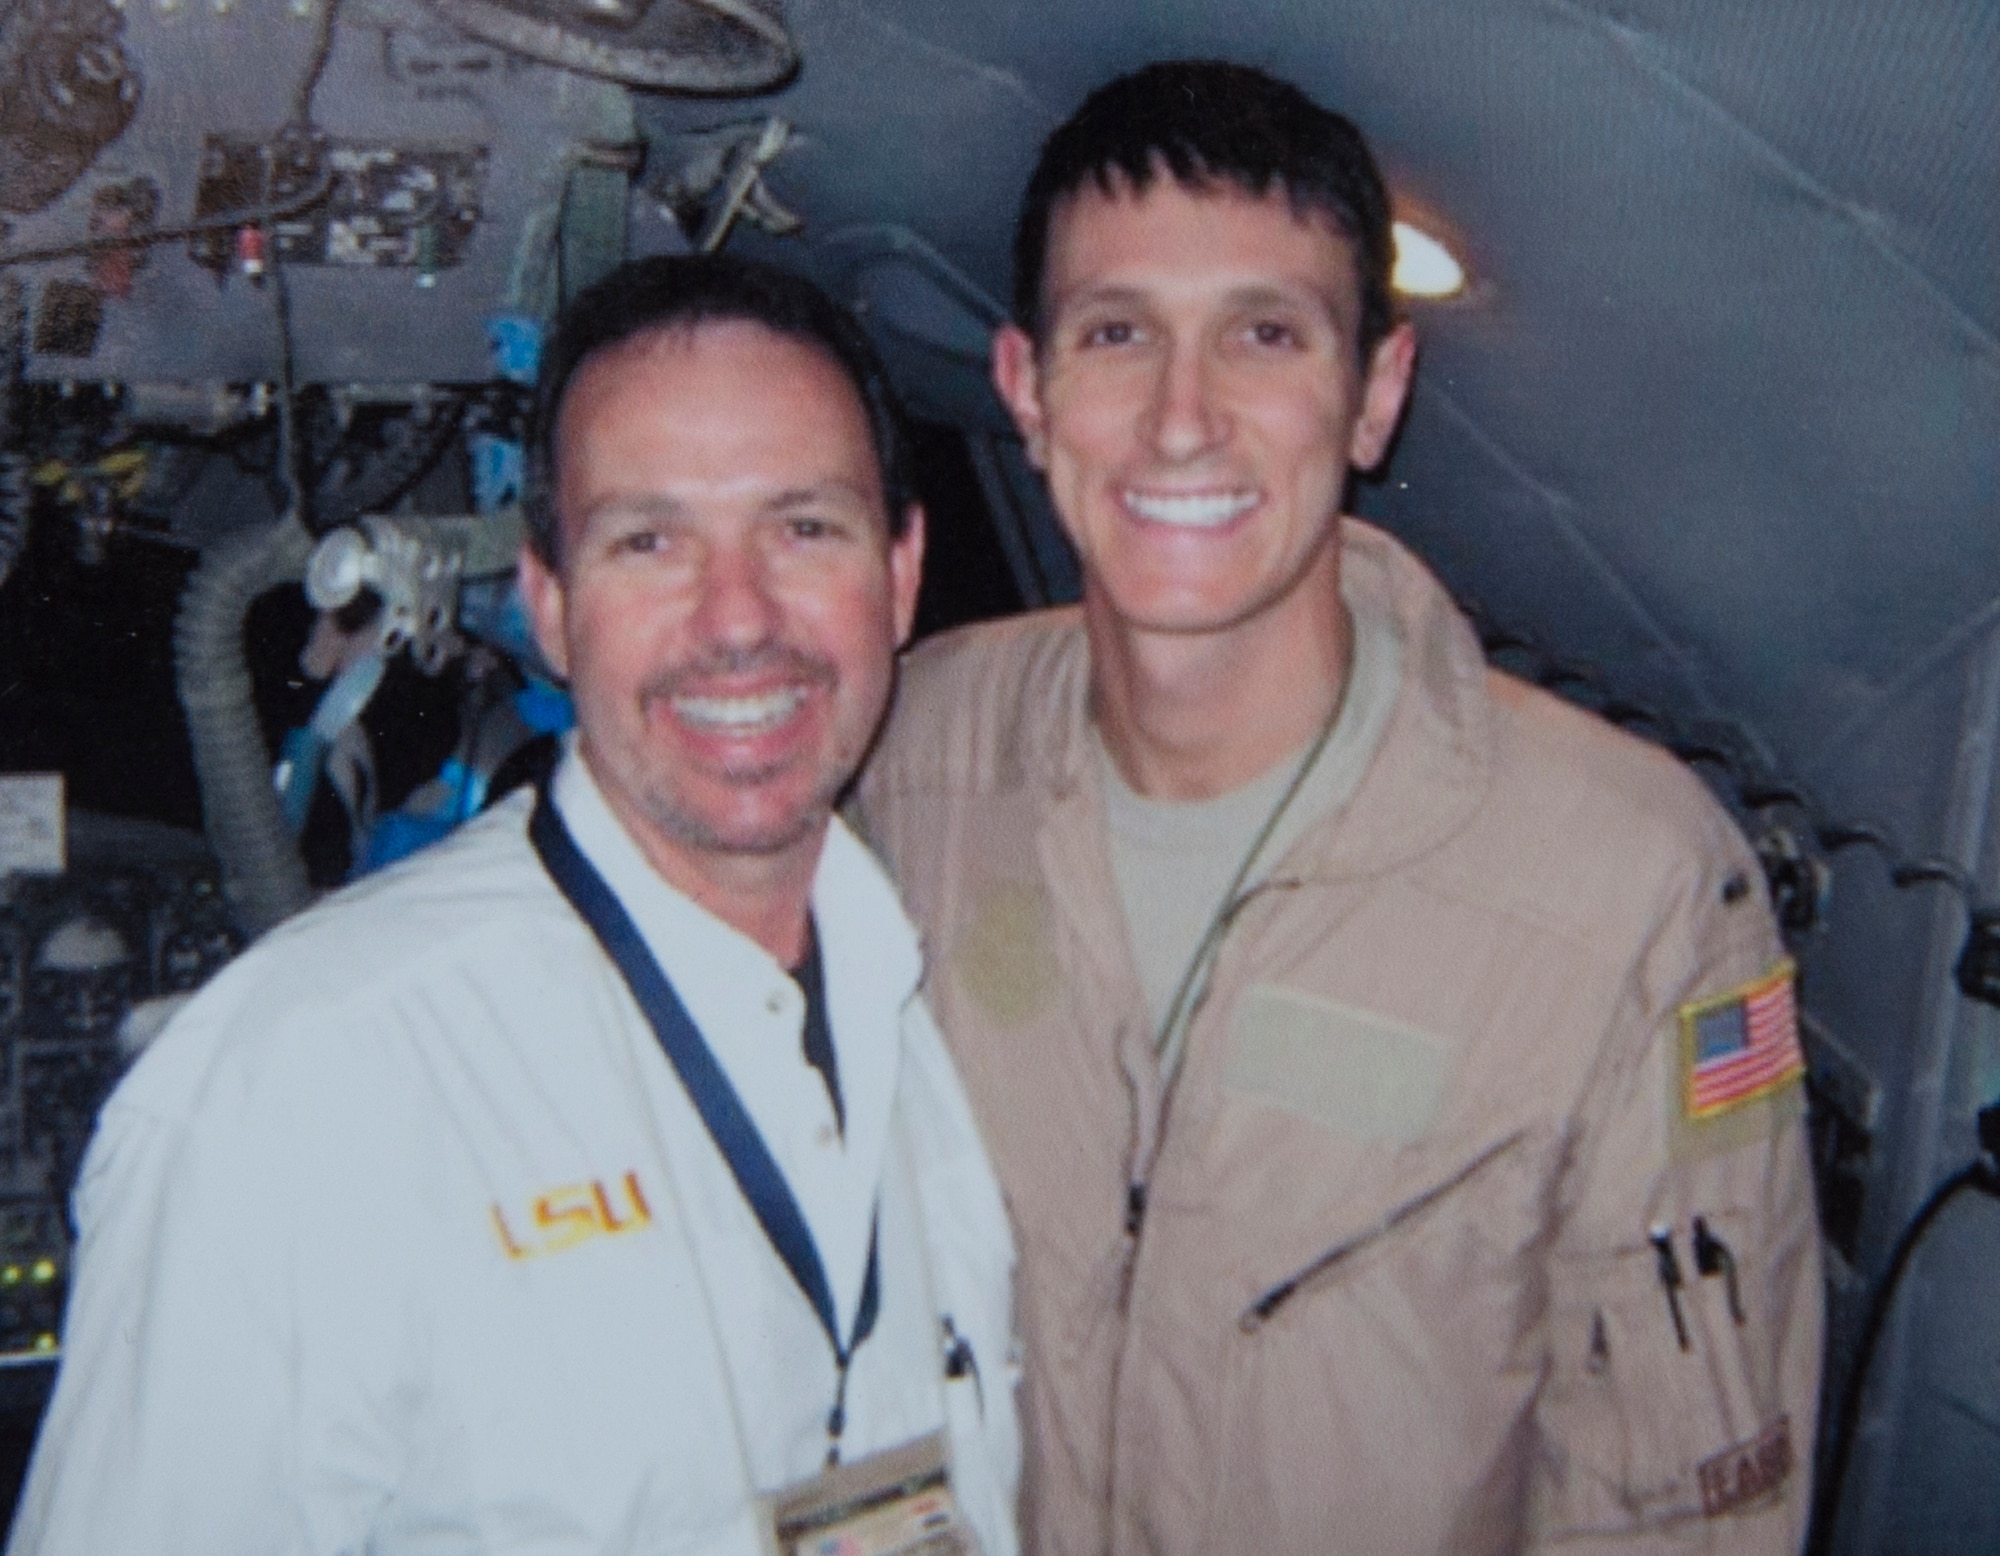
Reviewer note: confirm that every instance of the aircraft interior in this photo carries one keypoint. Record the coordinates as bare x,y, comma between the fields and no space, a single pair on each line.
1703,439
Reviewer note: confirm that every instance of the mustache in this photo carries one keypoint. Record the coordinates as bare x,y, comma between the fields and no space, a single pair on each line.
789,664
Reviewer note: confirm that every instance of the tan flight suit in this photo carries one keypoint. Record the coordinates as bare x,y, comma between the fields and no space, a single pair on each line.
1392,1289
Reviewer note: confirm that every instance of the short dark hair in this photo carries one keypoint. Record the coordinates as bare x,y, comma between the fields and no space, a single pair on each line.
681,291
1208,122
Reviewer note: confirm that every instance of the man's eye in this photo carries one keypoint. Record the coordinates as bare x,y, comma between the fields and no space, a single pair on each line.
639,542
1273,332
812,527
1112,332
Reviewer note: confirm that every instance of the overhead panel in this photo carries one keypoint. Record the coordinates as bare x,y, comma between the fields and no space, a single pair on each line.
408,179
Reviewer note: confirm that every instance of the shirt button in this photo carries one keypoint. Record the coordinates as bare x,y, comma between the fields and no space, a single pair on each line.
775,1003
827,1137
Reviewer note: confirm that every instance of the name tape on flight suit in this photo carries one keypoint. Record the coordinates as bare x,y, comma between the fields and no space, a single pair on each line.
1747,1472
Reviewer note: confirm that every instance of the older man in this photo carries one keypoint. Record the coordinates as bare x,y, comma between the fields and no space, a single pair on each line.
1392,1070
596,1181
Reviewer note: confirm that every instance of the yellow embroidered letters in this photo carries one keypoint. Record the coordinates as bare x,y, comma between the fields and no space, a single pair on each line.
573,1214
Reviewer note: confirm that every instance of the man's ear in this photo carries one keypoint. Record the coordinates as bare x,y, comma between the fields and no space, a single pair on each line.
1383,396
1018,378
906,572
542,592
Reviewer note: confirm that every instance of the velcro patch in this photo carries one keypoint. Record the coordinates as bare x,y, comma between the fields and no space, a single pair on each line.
1006,957
1747,1472
1740,1046
1351,1071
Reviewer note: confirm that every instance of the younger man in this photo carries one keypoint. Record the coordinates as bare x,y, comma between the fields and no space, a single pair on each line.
1391,1069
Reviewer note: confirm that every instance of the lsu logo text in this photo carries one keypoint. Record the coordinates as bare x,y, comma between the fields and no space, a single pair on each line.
573,1214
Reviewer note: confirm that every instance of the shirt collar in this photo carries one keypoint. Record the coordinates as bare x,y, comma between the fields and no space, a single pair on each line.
859,916
750,1013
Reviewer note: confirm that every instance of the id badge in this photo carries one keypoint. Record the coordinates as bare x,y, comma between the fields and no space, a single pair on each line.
895,1503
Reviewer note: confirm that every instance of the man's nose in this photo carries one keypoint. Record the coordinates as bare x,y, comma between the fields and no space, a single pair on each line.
1187,415
738,606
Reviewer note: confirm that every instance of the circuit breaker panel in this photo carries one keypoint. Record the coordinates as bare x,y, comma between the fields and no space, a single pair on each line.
92,962
411,178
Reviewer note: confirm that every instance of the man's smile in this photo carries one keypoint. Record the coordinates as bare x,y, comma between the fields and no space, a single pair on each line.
744,714
1190,510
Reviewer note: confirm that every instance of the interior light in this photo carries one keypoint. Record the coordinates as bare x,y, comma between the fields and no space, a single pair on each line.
1424,266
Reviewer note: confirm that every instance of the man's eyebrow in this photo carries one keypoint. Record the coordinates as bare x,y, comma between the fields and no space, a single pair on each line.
819,492
643,505
1263,292
1092,295
1252,294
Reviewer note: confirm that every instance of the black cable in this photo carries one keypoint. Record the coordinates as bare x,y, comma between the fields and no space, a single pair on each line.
1836,835
264,212
557,246
1583,676
1631,715
1769,796
291,446
415,448
1942,871
153,537
302,98
1701,751
233,449
257,215
1980,1175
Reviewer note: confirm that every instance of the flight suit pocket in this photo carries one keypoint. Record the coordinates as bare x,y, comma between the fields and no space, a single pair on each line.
1340,1371
1661,1406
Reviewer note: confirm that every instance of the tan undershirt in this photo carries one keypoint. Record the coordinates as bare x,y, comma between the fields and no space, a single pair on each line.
1173,860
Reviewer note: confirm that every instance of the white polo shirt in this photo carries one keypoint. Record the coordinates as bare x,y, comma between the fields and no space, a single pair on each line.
405,1237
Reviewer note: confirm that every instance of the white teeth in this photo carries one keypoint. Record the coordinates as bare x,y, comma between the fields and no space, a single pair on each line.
740,715
1193,510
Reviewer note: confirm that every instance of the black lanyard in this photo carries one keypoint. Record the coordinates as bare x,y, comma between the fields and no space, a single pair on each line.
729,1123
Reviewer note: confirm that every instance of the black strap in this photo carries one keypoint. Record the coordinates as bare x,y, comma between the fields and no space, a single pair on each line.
721,1109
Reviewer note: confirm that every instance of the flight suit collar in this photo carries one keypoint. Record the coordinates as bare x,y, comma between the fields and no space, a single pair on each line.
1426,779
1436,758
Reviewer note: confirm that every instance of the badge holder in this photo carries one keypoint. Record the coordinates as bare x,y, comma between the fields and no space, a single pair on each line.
895,1503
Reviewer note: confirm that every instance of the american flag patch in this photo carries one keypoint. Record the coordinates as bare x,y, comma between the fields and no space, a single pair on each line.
1740,1046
